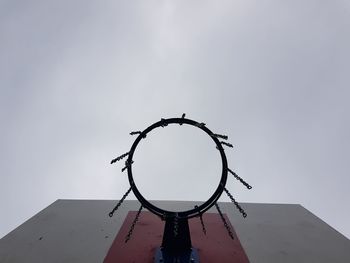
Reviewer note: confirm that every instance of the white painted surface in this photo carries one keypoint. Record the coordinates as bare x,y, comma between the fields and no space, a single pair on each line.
81,231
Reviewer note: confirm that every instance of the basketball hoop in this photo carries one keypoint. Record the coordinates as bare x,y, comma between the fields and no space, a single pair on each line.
176,243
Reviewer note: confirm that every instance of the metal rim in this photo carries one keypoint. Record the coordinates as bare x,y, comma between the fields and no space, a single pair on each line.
188,213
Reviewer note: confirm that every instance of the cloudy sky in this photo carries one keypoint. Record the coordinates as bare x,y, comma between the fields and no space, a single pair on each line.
77,76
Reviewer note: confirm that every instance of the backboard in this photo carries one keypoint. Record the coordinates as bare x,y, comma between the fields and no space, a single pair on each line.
81,231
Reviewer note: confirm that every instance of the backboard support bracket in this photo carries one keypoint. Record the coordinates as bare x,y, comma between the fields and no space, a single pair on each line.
176,245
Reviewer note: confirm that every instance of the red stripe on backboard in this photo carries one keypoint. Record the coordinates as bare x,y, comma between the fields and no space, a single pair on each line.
215,246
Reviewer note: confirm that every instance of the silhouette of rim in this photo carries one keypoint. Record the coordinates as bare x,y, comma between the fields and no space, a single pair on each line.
188,213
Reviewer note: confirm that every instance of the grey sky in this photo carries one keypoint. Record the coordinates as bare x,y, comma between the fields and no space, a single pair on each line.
77,76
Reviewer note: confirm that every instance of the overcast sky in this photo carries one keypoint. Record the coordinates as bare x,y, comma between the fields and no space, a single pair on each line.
77,76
